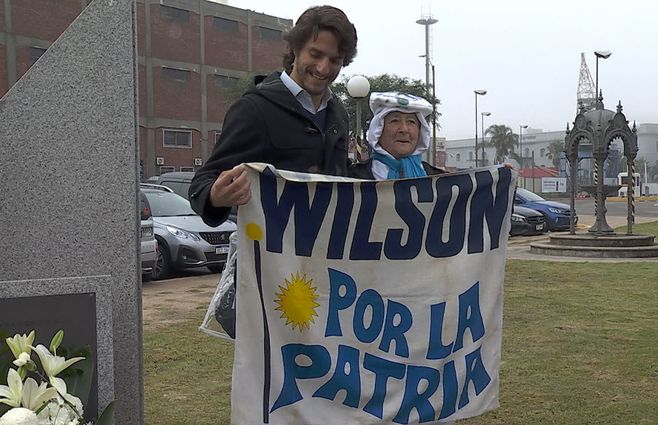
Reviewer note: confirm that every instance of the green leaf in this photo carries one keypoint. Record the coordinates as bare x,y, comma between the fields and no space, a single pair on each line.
56,341
80,376
106,417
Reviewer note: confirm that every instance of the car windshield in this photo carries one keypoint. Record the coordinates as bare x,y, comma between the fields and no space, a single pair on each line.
528,196
168,204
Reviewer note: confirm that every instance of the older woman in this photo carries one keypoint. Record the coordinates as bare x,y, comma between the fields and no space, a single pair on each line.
399,135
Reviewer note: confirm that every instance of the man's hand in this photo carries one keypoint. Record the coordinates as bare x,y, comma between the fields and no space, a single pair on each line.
231,188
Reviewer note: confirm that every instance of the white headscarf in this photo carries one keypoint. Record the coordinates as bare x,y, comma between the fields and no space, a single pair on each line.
381,104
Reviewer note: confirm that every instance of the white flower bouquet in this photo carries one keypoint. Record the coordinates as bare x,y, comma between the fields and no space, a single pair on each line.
45,400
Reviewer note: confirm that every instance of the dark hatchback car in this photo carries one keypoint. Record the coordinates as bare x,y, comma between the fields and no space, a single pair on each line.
556,213
179,182
526,221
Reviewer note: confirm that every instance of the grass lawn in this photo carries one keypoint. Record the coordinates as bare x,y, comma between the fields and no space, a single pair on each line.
580,346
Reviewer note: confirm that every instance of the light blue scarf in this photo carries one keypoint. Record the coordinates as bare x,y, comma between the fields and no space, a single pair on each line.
410,166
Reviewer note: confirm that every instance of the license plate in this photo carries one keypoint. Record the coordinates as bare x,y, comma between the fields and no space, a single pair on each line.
221,250
539,227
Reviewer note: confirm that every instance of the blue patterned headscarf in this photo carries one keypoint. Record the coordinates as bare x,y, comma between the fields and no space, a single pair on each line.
410,166
384,165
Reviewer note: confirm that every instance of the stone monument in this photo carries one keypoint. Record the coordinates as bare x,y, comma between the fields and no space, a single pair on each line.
68,208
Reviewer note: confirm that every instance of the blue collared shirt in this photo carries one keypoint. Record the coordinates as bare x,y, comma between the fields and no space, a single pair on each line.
302,96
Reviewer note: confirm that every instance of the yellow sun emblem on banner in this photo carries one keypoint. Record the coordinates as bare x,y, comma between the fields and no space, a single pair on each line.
297,301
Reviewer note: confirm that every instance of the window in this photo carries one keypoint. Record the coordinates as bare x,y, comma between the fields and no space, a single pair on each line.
180,75
35,53
174,14
187,169
224,25
177,138
167,169
226,82
470,156
270,34
542,152
217,135
459,157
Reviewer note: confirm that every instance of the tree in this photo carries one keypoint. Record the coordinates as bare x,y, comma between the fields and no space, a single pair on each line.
380,83
502,139
234,88
553,152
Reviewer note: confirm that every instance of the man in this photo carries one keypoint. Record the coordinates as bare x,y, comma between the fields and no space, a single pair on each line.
290,119
399,135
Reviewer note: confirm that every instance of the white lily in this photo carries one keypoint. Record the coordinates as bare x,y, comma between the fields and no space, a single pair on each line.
19,416
56,413
34,396
11,394
74,401
52,364
21,343
22,360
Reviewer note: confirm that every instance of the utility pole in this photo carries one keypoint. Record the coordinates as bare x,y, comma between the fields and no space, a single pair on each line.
427,21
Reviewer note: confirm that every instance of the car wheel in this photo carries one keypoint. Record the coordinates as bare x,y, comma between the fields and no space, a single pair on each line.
216,268
162,268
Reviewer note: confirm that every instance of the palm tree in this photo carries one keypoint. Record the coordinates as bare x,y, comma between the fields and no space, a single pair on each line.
502,139
553,152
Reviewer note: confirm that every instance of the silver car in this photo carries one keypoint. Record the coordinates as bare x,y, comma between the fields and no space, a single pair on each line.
184,240
148,244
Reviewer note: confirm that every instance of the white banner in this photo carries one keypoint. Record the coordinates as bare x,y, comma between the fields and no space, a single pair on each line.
364,302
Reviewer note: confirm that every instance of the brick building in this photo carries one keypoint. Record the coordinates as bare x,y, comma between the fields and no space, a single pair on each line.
191,53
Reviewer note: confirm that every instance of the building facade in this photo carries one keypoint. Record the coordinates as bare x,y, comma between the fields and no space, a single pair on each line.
460,154
192,55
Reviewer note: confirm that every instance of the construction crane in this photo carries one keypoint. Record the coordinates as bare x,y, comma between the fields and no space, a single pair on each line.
586,97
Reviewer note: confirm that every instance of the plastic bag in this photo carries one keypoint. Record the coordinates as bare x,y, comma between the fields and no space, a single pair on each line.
220,316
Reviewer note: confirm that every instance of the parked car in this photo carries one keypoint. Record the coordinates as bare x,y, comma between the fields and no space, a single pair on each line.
179,182
556,213
526,221
149,245
184,240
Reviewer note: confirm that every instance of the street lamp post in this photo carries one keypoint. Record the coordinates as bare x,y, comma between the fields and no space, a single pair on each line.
433,161
427,21
521,127
603,54
480,92
358,87
483,114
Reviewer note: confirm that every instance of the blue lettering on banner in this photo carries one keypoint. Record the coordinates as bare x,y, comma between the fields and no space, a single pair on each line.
412,217
420,382
310,203
493,209
362,248
383,370
308,219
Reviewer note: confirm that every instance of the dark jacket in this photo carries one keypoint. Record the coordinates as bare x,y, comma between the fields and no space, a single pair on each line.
363,170
267,124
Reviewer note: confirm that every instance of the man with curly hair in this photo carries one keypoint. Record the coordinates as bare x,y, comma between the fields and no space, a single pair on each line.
290,119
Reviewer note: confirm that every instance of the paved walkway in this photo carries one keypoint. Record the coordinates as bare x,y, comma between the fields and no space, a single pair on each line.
519,246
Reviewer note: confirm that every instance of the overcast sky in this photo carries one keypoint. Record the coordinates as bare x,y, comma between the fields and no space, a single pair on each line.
525,53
